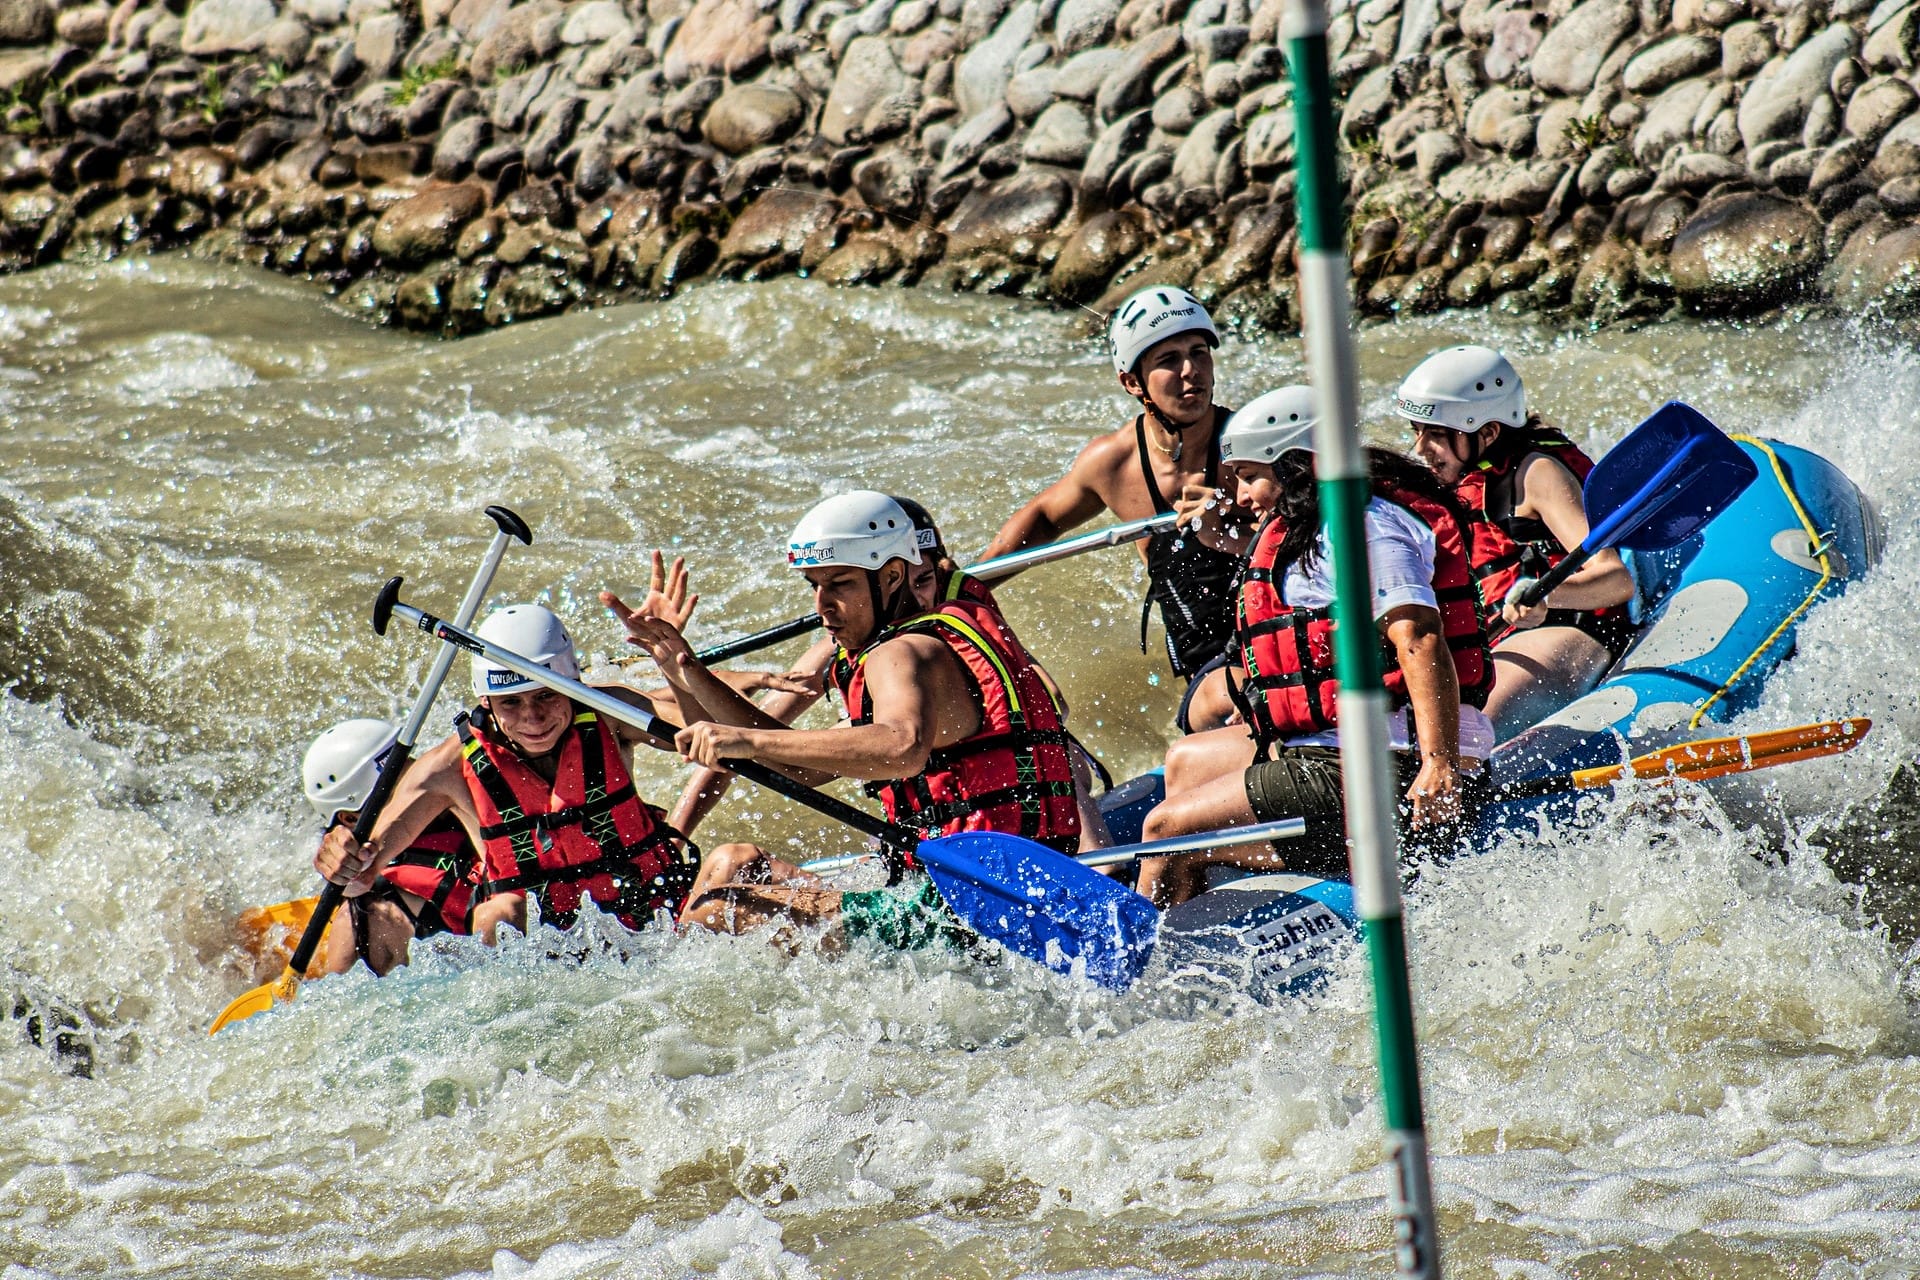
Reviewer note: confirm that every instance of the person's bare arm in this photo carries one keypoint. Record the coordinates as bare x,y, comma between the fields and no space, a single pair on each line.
801,688
1433,696
920,701
1072,500
1550,495
431,785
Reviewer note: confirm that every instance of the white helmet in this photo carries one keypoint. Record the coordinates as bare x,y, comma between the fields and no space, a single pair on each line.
1153,315
1269,426
1463,388
341,766
863,529
533,632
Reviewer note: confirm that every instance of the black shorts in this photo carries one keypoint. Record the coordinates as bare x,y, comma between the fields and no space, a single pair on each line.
1305,782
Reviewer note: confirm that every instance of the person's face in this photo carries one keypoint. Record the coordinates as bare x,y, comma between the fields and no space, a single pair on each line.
845,604
535,720
923,580
1177,375
1254,486
1446,450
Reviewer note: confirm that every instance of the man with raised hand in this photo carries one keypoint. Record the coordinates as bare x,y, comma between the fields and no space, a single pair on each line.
1162,341
950,725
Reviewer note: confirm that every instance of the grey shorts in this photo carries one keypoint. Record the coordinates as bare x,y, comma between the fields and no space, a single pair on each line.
1305,782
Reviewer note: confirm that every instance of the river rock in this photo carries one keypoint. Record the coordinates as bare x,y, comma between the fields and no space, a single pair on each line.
1094,252
1571,53
1083,24
1745,252
1901,196
1527,188
1669,120
1198,158
460,145
1654,68
553,133
1080,79
1030,92
1255,234
869,75
1177,110
85,26
1516,38
1878,270
1890,46
1062,135
1745,47
1028,203
595,21
1838,164
865,259
1877,106
25,21
427,226
750,116
1371,102
377,43
706,36
226,26
1270,140
1435,152
1131,84
780,221
1776,103
1120,141
1493,109
1697,171
980,78
1792,171
973,138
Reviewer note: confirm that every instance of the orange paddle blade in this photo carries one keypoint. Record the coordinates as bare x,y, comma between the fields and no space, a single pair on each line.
257,926
258,1000
1742,753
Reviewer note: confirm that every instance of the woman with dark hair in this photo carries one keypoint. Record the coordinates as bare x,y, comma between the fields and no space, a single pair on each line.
1284,760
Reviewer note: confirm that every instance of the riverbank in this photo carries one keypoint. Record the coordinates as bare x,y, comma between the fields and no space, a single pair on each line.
453,165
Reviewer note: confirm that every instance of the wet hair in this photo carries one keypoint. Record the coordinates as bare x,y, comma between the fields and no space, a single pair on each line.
1298,506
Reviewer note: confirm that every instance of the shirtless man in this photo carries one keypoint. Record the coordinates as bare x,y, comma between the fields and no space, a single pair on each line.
931,698
1162,343
1519,482
544,787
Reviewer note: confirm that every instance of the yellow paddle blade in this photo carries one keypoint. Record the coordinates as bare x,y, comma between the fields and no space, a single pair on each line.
256,926
1742,753
258,1000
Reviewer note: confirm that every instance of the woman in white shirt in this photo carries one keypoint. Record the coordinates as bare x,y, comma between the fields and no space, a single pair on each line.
1283,760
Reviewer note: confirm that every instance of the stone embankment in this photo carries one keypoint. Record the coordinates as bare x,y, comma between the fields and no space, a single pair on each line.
454,164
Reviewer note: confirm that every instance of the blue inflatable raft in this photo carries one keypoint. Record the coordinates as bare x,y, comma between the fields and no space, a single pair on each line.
1717,615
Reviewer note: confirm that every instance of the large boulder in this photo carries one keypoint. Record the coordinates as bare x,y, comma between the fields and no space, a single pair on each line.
750,116
778,222
25,21
226,26
423,227
1571,53
1031,202
1879,269
869,75
1776,103
1094,252
1745,252
980,79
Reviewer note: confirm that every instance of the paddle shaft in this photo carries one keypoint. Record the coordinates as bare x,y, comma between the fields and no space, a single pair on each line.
1705,758
898,838
987,571
508,527
1281,829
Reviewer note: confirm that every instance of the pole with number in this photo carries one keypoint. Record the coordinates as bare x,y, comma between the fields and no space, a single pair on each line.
1364,756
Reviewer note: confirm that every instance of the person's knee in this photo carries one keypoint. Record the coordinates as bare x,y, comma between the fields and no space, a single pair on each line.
488,916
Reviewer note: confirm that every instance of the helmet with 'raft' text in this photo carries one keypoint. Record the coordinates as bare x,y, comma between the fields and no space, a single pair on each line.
343,763
1270,425
535,633
1463,389
863,530
1153,315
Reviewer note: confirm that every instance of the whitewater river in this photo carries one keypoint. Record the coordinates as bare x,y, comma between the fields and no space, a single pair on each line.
1675,1045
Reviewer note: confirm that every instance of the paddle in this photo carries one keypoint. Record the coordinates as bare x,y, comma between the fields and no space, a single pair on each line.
987,571
1696,472
255,922
1254,833
1706,758
508,527
1018,893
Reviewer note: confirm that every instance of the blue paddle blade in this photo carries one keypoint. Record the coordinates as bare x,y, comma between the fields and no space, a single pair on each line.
1043,905
1671,475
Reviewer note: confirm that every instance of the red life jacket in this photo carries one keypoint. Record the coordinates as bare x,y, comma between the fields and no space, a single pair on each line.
1505,546
964,586
1286,654
585,835
441,867
1014,774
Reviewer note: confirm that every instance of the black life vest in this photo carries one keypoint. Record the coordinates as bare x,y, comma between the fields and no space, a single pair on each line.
1286,654
1192,582
585,835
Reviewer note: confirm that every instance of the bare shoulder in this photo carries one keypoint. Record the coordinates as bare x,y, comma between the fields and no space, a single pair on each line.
438,767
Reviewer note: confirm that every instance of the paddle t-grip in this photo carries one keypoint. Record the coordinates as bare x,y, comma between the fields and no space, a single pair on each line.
510,524
384,602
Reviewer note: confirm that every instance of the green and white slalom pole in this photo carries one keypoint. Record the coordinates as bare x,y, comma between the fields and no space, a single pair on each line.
1364,757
